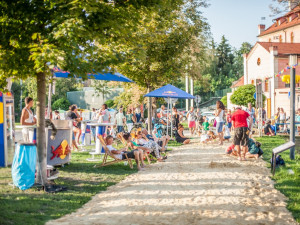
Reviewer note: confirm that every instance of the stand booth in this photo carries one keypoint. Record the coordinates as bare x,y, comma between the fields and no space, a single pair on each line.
7,129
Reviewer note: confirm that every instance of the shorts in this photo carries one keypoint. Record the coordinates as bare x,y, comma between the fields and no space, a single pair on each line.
130,155
219,127
229,124
226,137
120,129
192,124
73,136
241,136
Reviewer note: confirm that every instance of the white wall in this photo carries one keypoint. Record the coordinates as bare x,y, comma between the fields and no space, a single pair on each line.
261,71
286,36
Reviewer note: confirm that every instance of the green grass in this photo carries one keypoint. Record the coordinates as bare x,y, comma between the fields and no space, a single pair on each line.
80,177
36,207
286,183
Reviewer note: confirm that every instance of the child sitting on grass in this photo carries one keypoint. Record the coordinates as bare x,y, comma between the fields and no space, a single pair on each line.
209,137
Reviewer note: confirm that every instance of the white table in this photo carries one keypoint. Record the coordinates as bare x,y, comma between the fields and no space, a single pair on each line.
85,141
100,130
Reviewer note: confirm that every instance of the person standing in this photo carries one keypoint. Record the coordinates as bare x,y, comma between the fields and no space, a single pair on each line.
219,113
120,120
191,115
72,115
228,119
27,118
282,117
138,114
251,112
129,119
241,131
163,112
175,117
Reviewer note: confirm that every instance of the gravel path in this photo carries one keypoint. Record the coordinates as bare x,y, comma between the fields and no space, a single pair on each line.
197,185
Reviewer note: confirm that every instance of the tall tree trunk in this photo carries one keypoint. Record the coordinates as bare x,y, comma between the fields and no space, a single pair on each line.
41,135
149,112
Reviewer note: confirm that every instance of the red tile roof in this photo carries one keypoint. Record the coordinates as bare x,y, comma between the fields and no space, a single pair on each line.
285,24
282,48
238,83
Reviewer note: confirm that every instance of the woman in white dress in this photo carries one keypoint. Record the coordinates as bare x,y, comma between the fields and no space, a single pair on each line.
27,118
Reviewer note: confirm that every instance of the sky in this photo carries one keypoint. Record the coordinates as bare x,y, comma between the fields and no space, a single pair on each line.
237,19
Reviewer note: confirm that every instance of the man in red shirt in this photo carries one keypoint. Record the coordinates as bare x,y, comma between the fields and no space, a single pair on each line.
241,131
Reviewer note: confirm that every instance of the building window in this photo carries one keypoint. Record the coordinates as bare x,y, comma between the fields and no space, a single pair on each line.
266,85
292,37
280,38
258,61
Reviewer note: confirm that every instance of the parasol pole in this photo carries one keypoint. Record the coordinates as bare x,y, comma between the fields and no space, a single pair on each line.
168,115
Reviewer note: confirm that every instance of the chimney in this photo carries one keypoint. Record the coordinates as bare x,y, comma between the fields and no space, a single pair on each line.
261,28
273,50
292,4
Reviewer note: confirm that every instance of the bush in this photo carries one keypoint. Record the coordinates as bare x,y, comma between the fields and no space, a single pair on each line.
245,94
61,103
224,100
110,103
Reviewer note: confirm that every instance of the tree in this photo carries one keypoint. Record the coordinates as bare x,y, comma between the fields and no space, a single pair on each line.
101,88
61,103
282,6
80,37
224,100
165,45
244,94
62,86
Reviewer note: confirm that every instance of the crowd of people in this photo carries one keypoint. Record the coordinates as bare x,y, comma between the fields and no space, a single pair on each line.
237,122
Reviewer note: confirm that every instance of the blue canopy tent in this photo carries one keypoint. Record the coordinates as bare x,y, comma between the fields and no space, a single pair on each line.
58,73
169,91
97,76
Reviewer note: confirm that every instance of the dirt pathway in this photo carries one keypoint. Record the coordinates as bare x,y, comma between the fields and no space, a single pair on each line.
197,185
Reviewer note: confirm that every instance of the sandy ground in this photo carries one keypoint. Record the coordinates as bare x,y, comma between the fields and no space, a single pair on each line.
197,185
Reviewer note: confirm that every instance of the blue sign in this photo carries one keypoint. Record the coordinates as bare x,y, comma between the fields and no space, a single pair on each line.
254,96
289,94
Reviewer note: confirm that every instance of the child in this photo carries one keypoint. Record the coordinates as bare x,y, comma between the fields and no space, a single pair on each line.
226,131
205,125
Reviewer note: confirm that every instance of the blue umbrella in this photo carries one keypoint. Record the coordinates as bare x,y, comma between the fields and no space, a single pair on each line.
97,76
169,91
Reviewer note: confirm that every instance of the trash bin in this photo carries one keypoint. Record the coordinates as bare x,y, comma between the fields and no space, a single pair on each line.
24,164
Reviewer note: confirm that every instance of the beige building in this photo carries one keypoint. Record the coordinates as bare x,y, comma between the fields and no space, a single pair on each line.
269,56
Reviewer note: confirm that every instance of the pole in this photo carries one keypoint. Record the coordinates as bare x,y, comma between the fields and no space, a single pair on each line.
187,91
168,115
171,122
293,61
21,106
192,92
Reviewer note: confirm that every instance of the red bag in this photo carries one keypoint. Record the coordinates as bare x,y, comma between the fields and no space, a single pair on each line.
215,123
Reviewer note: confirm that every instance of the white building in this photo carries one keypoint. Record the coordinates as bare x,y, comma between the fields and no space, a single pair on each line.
269,56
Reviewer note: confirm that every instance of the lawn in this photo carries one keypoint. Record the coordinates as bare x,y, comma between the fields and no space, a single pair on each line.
80,177
288,184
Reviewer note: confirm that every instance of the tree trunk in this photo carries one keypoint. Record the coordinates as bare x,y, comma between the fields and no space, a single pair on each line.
41,135
149,112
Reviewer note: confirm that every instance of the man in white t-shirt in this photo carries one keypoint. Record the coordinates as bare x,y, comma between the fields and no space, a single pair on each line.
120,121
136,154
191,116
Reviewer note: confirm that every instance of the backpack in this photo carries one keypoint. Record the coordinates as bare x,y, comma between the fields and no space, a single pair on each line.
279,161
